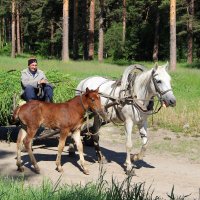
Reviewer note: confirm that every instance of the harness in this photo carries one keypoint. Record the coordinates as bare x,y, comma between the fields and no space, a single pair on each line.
127,96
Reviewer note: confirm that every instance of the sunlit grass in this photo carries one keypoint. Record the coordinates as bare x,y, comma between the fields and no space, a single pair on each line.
185,83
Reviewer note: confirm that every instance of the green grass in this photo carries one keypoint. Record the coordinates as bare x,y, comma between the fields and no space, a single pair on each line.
185,84
12,189
188,148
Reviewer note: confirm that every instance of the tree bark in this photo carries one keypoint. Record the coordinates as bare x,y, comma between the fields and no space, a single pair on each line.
13,29
85,32
190,9
1,28
101,31
18,30
22,38
156,36
52,37
3,31
65,41
173,35
124,23
75,42
91,30
1,38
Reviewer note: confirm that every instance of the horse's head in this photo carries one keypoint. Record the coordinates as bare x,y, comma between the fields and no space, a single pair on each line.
94,102
162,86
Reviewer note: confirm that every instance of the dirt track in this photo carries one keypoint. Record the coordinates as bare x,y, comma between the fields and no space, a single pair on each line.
160,169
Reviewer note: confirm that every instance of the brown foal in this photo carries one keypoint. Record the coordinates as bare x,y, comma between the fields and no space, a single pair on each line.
68,117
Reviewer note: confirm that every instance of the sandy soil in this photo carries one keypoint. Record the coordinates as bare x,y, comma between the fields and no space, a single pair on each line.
159,169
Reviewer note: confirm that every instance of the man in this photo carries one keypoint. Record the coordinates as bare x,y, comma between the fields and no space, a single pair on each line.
35,83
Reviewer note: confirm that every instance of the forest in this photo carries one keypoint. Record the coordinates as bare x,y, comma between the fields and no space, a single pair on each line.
136,30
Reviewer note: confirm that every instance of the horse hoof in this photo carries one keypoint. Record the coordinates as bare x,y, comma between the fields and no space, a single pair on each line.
60,169
135,157
20,169
130,172
102,160
37,171
86,172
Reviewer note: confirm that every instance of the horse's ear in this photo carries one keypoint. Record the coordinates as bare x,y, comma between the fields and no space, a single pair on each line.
97,90
166,66
87,90
155,68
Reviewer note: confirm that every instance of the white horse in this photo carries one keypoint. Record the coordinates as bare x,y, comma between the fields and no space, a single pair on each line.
133,98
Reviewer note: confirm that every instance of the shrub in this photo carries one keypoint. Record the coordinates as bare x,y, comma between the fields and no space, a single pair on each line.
10,85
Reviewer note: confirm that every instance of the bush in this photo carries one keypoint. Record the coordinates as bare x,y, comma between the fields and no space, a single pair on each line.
10,85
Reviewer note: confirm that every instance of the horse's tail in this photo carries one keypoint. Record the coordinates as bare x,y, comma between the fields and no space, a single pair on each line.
15,117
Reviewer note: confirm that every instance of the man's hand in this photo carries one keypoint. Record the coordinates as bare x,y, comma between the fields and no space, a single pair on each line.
42,81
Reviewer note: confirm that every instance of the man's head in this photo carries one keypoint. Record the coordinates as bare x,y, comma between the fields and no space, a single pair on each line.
32,64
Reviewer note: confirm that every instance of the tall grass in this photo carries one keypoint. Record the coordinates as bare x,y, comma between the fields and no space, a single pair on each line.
12,189
185,116
185,83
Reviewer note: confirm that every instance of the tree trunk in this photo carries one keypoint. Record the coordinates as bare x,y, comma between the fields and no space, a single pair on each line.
1,38
91,29
190,31
173,35
22,38
65,40
18,30
101,33
124,23
52,37
75,42
85,29
13,29
156,35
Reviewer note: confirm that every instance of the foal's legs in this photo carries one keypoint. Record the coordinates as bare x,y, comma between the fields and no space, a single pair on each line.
129,145
28,145
21,135
61,145
77,138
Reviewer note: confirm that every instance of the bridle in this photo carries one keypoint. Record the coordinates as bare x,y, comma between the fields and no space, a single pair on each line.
158,90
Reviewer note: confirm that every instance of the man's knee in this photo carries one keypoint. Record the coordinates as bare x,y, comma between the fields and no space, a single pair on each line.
29,93
48,93
48,90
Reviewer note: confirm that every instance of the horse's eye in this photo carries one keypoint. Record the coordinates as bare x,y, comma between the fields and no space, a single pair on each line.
158,81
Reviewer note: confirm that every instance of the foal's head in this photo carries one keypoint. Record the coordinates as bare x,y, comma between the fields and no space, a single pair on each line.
93,101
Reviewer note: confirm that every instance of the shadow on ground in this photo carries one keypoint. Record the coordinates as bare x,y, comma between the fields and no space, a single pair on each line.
10,134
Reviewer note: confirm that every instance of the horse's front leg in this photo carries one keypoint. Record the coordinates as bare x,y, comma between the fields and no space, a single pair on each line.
129,145
143,133
77,138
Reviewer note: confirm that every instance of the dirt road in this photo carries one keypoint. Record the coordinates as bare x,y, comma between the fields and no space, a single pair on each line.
162,167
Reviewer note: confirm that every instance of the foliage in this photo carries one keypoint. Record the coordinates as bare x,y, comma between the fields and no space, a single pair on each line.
10,86
37,16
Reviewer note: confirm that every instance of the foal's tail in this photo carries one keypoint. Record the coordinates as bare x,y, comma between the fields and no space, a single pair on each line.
15,117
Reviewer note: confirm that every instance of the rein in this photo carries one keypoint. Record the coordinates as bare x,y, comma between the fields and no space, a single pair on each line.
86,116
